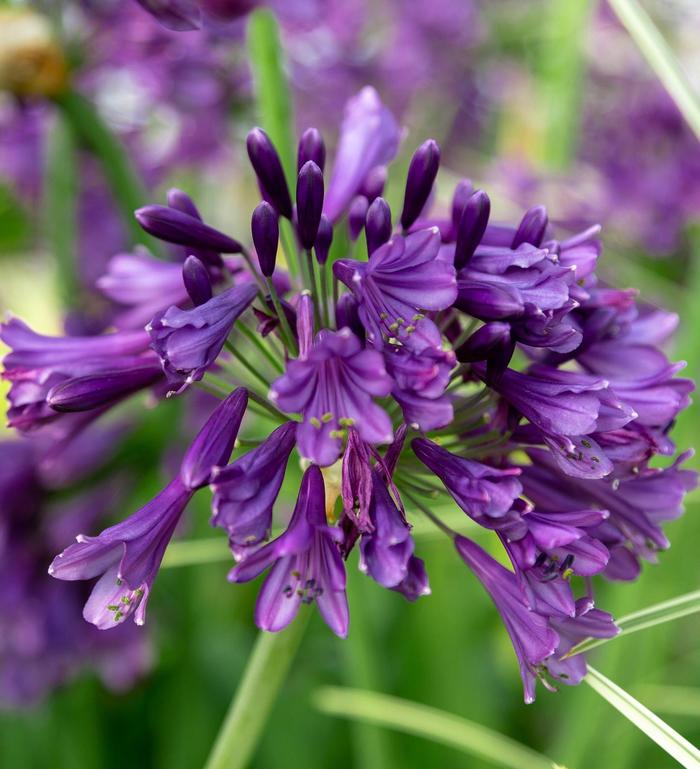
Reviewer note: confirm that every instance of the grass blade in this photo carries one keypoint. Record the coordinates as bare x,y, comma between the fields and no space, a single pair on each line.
659,613
657,730
660,58
424,721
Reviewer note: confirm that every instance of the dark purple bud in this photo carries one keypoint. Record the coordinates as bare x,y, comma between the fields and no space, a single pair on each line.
311,147
214,443
378,225
173,226
532,227
374,183
196,280
472,226
309,203
265,228
91,391
419,181
181,201
357,216
227,10
268,168
324,238
347,314
493,343
463,191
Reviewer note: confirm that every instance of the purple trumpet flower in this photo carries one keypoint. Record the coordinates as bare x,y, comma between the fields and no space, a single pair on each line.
485,493
386,550
126,557
305,565
189,341
369,138
533,638
562,402
333,389
37,363
245,491
402,280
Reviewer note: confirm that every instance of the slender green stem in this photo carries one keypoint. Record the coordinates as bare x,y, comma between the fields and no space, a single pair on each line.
215,391
660,58
260,345
276,413
250,708
314,288
285,328
246,363
430,515
291,254
60,207
323,269
258,277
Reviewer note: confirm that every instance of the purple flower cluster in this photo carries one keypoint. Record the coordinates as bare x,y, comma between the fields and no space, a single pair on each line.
452,356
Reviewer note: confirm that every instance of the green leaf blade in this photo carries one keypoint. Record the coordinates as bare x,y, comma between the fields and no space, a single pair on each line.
644,719
423,721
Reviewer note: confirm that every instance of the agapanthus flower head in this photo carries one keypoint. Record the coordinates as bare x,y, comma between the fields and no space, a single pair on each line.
431,368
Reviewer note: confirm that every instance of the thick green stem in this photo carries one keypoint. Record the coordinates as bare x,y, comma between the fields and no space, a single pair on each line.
250,708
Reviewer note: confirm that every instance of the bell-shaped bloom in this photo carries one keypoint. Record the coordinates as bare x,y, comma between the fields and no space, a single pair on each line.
415,584
562,402
369,137
485,493
141,285
420,380
333,388
588,622
401,281
245,491
189,341
533,638
385,552
305,565
125,557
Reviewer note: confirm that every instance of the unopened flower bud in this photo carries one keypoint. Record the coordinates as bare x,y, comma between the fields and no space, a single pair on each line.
419,181
265,229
